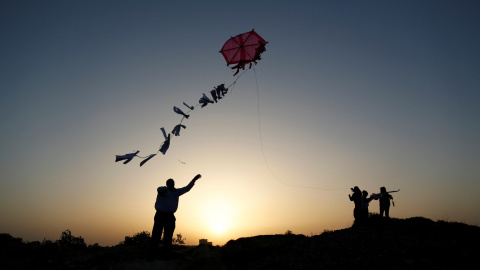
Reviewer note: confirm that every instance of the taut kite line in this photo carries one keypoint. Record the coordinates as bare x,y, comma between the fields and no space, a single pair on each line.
239,51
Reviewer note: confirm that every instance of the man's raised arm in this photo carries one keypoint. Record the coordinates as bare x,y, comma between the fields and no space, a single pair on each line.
190,185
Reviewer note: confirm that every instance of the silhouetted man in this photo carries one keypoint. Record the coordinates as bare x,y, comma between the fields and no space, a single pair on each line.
365,202
356,197
385,202
166,205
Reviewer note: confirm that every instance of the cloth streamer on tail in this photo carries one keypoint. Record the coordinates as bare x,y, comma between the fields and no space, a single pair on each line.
126,157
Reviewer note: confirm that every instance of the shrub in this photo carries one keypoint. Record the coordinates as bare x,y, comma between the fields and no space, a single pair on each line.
6,240
141,238
68,240
179,240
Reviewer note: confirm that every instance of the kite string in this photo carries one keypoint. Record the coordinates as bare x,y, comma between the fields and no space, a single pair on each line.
263,150
232,85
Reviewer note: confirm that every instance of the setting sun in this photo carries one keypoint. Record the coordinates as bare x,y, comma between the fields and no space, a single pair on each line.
218,215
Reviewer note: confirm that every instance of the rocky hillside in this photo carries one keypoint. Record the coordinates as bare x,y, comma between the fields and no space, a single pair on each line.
414,243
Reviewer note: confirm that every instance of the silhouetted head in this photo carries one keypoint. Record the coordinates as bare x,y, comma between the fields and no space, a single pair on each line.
365,193
170,183
355,189
383,190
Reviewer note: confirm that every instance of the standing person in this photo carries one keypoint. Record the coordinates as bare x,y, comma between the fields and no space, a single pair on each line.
385,202
356,197
365,203
166,205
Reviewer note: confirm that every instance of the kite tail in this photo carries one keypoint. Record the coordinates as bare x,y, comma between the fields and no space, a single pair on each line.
217,93
147,159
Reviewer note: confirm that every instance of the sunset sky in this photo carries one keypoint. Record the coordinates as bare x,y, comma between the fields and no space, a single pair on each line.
366,93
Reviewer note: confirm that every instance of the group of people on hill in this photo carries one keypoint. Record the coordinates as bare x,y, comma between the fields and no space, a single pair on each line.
361,201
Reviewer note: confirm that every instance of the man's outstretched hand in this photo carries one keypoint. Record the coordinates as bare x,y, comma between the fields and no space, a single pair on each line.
198,176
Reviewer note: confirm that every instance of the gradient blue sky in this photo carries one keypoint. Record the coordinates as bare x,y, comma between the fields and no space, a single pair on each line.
367,93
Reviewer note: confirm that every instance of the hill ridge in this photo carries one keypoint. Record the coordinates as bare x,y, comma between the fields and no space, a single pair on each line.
412,243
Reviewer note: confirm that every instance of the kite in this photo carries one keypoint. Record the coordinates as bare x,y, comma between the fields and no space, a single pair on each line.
243,49
240,50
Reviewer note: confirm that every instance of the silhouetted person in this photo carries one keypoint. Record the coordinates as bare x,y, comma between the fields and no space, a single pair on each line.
166,205
356,197
385,202
365,203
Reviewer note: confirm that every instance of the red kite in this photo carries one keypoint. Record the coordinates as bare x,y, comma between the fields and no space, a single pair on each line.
243,49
